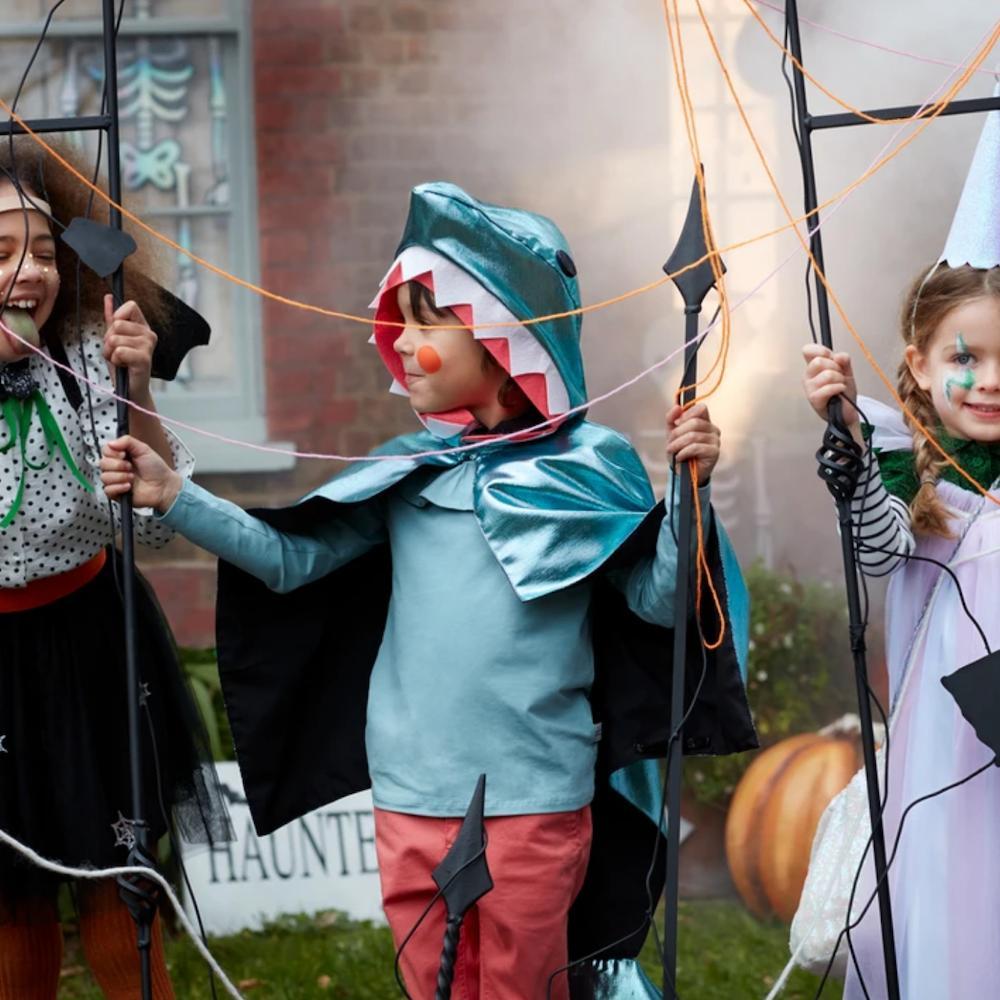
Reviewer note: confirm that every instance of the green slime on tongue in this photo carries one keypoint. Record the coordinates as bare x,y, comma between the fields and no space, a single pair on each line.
21,323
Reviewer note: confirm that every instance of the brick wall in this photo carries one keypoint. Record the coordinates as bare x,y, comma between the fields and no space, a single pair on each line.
355,102
521,103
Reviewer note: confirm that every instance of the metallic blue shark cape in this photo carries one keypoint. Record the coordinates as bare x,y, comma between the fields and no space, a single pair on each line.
555,510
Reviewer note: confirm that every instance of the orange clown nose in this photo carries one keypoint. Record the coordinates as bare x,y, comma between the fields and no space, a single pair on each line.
428,359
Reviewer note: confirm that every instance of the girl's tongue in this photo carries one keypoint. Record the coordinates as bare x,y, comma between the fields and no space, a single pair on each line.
20,322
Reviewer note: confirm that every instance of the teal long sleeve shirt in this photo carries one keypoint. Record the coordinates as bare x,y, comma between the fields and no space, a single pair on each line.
469,679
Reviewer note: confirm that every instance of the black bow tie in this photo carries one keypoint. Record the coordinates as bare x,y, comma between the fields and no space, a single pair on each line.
16,381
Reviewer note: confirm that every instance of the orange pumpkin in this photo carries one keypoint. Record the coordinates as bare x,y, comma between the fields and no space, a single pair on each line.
775,810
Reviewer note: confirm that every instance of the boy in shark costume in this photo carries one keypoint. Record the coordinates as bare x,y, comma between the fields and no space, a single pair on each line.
520,629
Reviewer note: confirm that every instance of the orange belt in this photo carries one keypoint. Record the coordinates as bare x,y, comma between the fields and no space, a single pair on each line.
51,588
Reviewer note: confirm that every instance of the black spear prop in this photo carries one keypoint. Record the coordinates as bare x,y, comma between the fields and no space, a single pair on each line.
463,877
139,895
694,285
841,464
104,249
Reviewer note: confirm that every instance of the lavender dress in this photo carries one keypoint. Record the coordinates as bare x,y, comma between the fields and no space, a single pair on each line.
945,881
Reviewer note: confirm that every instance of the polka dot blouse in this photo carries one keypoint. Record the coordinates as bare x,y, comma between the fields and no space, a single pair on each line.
60,525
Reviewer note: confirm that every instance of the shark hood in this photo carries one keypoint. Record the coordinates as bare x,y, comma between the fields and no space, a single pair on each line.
490,265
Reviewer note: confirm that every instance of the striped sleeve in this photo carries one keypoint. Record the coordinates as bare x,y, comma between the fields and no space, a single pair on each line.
883,537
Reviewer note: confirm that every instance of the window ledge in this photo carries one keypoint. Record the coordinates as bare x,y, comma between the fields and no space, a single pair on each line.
213,456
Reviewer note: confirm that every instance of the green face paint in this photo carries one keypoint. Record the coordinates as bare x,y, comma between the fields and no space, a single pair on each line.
966,378
964,381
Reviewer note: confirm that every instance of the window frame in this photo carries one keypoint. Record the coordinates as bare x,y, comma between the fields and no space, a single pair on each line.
238,410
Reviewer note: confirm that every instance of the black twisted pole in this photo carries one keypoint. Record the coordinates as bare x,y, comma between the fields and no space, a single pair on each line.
449,956
840,466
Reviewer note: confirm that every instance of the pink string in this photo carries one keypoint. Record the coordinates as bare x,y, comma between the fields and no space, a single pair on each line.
524,432
874,45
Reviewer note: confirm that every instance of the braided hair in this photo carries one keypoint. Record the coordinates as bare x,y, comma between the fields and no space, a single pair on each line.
929,299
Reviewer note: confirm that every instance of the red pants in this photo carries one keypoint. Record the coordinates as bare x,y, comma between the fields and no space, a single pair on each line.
514,938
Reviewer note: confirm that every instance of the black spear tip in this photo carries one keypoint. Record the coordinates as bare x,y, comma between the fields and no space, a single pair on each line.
695,283
976,689
102,248
184,328
463,876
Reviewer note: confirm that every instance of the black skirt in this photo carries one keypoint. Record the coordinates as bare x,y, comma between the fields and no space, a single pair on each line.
64,767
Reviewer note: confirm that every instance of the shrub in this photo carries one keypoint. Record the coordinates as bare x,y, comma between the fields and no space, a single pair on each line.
799,674
202,673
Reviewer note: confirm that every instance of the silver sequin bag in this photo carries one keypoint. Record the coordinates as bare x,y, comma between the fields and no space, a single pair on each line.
840,840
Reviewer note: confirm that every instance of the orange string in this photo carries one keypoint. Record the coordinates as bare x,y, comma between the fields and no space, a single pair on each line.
924,119
713,255
819,273
369,321
676,43
928,112
702,570
687,106
703,573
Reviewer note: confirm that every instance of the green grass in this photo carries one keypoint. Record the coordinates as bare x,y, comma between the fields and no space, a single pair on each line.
725,954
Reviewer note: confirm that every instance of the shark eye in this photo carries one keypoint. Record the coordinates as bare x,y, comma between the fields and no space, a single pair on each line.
566,264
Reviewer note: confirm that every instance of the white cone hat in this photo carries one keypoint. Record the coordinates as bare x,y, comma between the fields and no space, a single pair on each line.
975,231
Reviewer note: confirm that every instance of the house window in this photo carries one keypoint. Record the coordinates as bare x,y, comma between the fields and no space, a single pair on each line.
188,159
